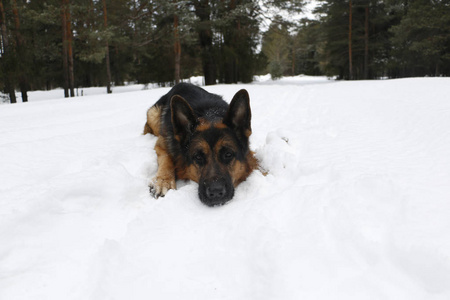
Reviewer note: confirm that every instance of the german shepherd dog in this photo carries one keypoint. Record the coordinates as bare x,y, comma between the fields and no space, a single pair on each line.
201,138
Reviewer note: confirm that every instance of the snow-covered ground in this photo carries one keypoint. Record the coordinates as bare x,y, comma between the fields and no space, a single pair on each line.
356,204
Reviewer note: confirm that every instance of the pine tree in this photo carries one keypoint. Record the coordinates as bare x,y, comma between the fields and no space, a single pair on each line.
42,30
275,45
177,43
307,42
422,39
107,61
8,56
21,52
238,30
361,50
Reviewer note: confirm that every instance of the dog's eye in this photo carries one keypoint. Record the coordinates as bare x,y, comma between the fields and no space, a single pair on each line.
198,158
227,155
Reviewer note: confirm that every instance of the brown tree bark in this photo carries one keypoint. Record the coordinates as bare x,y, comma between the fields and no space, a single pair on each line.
350,58
70,50
9,87
65,50
108,67
366,44
23,81
177,47
3,25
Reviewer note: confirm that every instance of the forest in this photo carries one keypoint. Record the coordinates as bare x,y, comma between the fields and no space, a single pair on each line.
83,43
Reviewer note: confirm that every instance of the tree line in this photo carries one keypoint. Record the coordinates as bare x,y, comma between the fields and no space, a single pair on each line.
363,39
83,43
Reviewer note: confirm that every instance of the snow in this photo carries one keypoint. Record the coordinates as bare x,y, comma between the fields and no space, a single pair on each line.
355,205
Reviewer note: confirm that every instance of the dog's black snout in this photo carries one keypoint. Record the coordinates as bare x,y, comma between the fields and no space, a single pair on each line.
216,190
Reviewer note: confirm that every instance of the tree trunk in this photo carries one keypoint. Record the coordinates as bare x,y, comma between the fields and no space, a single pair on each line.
108,70
69,50
5,39
108,67
23,81
350,62
9,87
293,60
64,50
177,47
10,90
366,44
23,84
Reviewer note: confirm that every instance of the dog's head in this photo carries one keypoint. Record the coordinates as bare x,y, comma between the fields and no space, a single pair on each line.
217,152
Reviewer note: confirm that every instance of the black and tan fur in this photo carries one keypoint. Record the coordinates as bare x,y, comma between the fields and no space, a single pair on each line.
201,138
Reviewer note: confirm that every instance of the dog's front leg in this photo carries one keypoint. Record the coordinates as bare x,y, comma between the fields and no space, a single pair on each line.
165,176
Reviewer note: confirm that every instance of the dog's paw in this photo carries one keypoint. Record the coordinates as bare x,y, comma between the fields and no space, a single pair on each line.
160,186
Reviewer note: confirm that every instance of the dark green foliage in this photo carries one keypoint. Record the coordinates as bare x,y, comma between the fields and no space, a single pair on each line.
276,47
219,40
41,27
421,41
307,44
405,38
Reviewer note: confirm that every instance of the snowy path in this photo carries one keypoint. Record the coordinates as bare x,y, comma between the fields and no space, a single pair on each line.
356,204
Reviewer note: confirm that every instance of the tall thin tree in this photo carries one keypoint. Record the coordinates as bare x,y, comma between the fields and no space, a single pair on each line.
20,50
177,44
70,49
108,67
65,51
350,57
366,42
6,57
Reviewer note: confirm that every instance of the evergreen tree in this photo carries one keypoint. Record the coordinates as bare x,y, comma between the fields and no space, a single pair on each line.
366,38
43,32
307,43
421,42
15,62
229,33
68,43
334,25
203,11
8,55
275,46
238,29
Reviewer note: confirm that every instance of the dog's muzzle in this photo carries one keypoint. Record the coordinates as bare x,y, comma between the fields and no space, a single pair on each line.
216,192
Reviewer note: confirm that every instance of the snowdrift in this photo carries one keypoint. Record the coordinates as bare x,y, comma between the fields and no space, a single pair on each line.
356,204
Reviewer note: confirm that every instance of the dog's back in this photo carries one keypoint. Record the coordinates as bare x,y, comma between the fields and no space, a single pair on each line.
204,104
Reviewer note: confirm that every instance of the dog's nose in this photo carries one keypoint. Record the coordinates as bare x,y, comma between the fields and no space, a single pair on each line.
216,190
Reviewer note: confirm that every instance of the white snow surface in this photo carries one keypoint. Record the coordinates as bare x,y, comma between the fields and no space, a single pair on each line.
356,204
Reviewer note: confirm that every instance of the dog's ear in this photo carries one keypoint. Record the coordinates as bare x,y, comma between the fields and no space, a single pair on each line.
239,115
183,118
